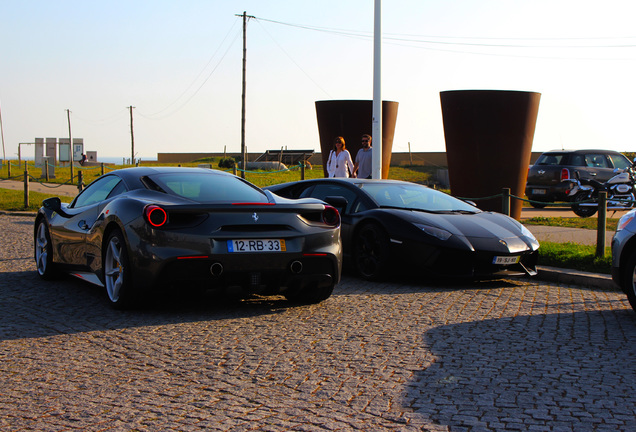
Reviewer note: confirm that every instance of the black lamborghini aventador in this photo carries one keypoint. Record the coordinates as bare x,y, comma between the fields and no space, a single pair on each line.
390,225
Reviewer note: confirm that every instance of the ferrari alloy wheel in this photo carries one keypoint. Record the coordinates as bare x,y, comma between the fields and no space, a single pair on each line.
629,279
43,252
117,271
371,252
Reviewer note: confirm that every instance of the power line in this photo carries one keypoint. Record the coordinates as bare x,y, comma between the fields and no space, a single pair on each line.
293,61
154,116
442,39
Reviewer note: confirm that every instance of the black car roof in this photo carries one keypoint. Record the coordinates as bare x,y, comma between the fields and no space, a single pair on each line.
584,151
343,180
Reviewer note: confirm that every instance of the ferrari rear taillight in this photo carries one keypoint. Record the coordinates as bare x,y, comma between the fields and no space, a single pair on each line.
331,216
565,174
155,215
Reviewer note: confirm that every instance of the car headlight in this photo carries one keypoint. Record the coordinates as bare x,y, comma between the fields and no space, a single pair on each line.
435,232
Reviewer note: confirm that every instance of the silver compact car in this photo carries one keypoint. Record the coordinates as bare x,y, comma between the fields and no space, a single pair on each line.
624,256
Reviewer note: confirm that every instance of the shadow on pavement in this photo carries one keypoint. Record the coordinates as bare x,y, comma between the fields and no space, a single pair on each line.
569,370
32,307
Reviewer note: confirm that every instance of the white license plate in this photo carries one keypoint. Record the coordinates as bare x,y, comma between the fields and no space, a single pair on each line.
538,191
506,260
260,245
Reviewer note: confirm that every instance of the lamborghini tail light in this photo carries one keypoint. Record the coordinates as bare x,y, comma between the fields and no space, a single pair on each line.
155,215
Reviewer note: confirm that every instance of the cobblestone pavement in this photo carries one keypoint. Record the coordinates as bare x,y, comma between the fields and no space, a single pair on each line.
405,356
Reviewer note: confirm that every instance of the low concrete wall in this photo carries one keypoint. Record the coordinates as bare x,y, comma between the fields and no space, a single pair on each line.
437,159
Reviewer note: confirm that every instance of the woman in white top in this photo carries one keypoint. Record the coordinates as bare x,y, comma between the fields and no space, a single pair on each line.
339,163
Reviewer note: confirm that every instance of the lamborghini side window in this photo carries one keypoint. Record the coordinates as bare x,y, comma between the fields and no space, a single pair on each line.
97,191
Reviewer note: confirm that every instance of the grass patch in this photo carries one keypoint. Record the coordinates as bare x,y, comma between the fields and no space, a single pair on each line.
13,200
415,174
574,256
573,222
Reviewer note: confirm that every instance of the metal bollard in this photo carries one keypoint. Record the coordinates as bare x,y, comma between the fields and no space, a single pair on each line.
302,170
505,201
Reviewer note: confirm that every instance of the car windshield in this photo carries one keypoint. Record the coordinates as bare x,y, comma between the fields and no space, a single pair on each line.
209,188
415,197
620,161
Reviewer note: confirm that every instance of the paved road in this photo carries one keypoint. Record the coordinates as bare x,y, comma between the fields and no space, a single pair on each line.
36,186
404,356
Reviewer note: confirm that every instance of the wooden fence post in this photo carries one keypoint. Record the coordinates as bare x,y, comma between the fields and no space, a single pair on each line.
80,180
602,224
505,201
26,186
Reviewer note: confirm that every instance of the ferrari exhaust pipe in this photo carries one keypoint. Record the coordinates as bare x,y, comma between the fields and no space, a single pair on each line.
216,269
296,267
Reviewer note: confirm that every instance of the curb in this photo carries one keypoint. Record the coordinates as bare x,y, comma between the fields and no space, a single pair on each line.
576,277
18,213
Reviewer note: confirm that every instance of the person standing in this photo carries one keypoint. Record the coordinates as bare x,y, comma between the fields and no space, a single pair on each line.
364,164
339,163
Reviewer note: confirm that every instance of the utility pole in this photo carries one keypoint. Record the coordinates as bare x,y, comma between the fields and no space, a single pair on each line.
70,140
4,153
243,149
132,137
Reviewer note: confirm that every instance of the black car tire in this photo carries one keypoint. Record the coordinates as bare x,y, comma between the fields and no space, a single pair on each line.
309,295
629,279
43,252
582,211
117,271
371,251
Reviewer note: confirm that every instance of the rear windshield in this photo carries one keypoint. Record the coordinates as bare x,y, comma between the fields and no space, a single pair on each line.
550,159
206,188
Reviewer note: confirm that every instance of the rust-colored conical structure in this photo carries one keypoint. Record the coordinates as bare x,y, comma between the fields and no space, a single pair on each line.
489,136
351,119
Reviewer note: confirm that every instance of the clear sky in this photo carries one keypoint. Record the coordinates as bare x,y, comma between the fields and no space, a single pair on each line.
179,64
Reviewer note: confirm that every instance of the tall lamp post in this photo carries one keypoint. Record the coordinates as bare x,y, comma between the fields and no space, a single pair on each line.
376,169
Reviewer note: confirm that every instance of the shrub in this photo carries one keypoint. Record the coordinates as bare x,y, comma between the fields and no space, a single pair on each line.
227,162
